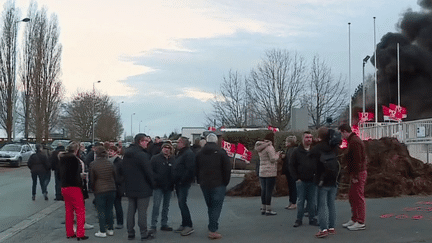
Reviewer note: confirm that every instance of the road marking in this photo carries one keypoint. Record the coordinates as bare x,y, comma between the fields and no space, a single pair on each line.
29,221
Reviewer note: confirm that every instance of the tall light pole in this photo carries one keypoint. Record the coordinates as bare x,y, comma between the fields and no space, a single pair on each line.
349,74
364,89
25,20
139,126
376,77
131,124
93,114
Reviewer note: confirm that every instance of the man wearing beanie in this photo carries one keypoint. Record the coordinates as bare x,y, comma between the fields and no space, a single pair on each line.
213,174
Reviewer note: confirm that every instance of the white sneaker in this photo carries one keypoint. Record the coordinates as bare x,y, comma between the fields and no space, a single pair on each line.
357,226
110,232
347,224
100,234
88,226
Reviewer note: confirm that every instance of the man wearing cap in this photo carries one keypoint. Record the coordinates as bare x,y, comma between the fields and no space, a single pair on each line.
161,165
213,174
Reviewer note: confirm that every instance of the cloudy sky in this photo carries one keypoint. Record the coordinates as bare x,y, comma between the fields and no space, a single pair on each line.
164,60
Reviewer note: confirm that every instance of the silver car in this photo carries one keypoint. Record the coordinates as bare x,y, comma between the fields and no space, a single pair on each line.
15,154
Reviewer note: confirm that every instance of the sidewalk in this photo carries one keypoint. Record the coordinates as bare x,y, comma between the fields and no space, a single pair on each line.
241,221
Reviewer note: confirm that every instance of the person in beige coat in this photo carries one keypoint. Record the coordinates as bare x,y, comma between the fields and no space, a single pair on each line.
267,171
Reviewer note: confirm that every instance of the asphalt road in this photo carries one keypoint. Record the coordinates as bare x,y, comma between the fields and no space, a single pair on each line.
409,219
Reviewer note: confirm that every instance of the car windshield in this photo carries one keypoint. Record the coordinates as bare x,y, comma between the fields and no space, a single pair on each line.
11,148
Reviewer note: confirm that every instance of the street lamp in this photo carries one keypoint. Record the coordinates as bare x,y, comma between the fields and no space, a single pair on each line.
15,80
131,124
93,115
139,126
364,94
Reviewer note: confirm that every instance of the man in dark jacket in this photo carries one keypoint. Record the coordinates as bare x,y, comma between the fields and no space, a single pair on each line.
213,170
161,165
291,144
156,147
302,170
54,161
183,175
39,166
139,184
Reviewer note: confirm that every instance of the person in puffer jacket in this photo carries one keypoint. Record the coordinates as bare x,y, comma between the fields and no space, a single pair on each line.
267,171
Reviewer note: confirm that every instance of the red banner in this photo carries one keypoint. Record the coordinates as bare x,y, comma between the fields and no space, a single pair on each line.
229,148
213,129
394,112
244,152
366,116
274,129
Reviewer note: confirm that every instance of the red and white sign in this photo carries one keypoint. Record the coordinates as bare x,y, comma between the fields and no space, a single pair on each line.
394,112
244,152
229,148
213,129
365,116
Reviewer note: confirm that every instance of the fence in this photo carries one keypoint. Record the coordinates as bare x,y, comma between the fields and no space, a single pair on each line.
417,135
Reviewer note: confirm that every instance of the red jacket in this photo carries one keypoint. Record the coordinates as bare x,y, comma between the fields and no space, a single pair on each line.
356,156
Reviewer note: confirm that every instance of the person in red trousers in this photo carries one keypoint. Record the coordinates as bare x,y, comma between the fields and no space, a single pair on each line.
356,160
71,175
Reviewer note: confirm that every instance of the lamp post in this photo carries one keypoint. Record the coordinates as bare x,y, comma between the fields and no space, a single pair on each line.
25,20
364,94
139,126
93,114
131,124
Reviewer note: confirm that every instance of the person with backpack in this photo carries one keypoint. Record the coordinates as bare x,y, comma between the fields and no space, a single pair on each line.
325,154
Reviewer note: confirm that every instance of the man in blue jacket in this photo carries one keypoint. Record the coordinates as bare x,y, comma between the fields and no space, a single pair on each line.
139,183
183,174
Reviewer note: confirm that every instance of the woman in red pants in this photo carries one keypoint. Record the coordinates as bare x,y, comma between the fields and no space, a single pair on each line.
71,188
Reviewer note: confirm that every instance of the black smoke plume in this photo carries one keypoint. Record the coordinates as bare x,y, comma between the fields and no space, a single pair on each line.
415,44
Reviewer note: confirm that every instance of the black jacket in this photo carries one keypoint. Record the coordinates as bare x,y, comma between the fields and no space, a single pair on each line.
70,169
162,170
315,155
120,184
184,167
139,181
156,148
54,158
213,166
38,163
285,164
301,166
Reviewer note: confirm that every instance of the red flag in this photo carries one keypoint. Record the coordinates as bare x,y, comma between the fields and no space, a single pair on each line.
274,129
399,111
211,129
229,148
386,112
366,116
244,152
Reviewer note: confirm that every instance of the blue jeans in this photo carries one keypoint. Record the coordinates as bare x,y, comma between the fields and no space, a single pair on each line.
118,209
267,186
326,207
306,191
104,206
214,199
182,194
160,195
42,182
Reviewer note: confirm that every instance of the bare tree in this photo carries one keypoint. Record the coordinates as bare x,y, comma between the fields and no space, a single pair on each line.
326,95
78,119
229,106
40,75
8,67
275,86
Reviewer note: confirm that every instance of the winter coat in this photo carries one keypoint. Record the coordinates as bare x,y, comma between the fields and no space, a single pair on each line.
70,169
38,163
54,158
139,180
285,164
356,155
156,148
301,166
120,185
184,167
213,166
268,158
162,170
102,176
315,155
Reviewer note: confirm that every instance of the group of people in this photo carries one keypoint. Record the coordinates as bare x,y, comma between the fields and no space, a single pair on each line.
312,174
146,168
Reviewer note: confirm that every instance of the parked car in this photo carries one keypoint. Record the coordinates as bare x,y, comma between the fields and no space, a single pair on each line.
15,154
55,143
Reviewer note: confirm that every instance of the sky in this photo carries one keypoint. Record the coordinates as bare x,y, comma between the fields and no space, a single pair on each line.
163,61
